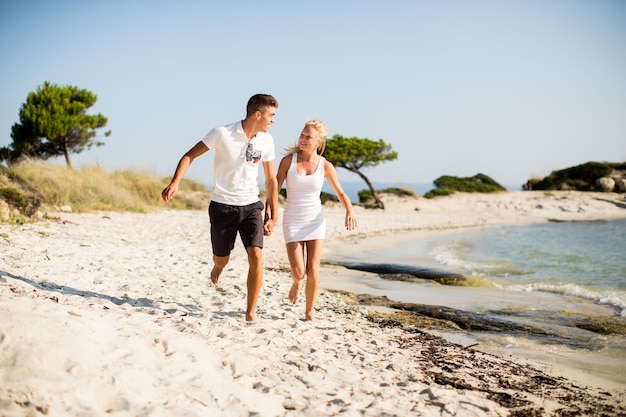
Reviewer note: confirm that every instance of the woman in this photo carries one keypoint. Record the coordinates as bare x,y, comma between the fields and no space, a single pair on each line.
304,225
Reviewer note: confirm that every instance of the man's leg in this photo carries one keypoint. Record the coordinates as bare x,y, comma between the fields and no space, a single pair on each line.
224,220
255,279
219,262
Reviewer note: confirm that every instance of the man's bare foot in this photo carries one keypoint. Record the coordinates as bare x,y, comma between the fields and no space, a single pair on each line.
216,274
294,292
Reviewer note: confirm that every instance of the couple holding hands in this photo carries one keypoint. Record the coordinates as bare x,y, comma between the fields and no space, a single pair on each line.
240,148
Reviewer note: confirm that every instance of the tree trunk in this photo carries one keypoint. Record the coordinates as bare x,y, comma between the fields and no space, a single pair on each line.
377,202
66,150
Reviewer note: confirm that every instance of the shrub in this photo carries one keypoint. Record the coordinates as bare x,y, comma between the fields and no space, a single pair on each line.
24,203
366,195
479,183
438,192
324,197
399,191
580,177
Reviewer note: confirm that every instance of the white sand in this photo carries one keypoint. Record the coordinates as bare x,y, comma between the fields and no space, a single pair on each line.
114,314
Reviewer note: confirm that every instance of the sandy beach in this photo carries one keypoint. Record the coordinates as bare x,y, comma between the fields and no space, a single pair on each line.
114,314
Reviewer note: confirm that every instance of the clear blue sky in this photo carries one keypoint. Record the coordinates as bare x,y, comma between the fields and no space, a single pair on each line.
512,89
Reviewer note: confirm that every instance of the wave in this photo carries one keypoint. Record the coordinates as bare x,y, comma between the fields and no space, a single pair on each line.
612,299
455,255
452,255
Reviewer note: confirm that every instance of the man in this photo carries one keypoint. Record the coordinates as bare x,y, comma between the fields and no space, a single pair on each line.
235,206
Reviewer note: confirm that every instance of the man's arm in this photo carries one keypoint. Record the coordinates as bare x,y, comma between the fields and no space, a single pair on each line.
183,165
271,206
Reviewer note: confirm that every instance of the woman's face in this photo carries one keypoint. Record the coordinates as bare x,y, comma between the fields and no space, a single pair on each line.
309,139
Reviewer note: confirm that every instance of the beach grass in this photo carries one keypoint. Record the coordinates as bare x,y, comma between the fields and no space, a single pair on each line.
39,186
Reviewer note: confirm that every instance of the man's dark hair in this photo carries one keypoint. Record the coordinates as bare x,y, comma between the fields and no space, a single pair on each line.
260,102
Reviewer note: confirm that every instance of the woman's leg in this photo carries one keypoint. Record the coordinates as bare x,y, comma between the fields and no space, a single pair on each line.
313,259
295,253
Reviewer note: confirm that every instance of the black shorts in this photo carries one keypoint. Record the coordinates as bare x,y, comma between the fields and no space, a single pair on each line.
227,220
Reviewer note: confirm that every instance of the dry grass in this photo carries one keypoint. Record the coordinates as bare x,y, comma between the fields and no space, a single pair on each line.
41,187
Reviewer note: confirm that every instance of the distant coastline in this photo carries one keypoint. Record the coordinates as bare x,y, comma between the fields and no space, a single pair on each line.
352,188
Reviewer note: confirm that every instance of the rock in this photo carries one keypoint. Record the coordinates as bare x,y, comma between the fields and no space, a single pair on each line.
620,185
605,184
399,272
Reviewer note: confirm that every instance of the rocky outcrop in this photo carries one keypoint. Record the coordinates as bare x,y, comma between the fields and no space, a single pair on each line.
615,182
591,176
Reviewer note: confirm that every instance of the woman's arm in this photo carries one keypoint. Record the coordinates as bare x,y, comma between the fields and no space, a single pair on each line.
331,176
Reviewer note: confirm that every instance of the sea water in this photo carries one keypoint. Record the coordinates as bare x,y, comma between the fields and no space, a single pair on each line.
554,276
578,259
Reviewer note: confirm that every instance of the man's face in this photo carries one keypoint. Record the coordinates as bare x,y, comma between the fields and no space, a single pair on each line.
267,118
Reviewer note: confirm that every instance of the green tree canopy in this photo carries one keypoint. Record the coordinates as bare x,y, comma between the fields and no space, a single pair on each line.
355,154
54,122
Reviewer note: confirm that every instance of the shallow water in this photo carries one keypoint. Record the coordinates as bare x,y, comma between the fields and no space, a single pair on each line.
551,275
581,259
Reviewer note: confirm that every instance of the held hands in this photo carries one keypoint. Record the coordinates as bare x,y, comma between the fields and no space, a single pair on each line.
268,226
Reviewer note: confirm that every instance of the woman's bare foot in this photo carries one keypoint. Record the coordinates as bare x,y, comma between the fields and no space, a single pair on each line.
216,274
309,317
294,292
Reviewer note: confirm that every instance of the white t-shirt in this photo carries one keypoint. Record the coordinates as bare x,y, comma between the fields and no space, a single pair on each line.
235,179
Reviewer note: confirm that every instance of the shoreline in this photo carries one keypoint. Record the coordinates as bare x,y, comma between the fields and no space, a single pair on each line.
109,313
588,369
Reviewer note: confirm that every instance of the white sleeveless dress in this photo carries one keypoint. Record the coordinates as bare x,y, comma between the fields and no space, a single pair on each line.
303,217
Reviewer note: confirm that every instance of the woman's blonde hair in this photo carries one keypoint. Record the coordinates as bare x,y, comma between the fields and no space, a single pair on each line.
321,130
